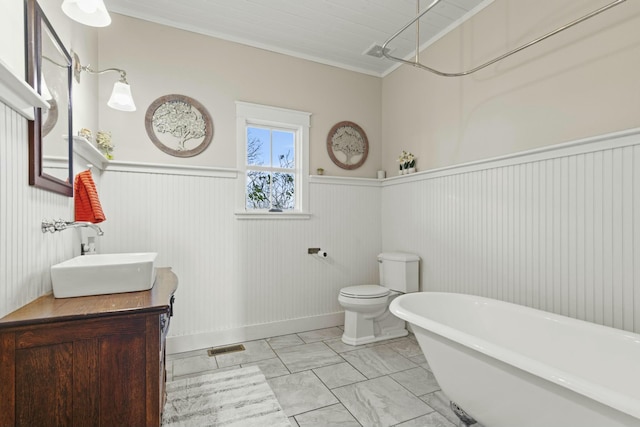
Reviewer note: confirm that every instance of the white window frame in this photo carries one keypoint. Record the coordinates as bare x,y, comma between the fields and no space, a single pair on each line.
248,114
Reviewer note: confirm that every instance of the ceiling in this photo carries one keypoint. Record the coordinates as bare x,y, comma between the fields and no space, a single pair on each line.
333,32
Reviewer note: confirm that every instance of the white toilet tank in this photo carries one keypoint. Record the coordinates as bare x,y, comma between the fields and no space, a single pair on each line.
399,271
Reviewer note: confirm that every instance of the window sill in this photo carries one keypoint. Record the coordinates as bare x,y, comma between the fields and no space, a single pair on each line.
273,215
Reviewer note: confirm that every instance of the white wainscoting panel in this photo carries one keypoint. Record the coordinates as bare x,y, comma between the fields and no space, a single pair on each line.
555,229
242,279
25,252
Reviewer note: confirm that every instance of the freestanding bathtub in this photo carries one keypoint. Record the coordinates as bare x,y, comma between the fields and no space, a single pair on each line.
508,365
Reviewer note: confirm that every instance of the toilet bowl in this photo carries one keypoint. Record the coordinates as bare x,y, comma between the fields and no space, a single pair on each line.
367,317
370,300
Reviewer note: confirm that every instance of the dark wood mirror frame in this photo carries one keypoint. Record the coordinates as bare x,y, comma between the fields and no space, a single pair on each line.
35,19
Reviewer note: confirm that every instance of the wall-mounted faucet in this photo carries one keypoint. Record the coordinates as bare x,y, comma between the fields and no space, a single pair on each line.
59,225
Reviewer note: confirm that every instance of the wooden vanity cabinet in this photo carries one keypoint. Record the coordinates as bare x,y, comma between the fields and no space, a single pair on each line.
87,361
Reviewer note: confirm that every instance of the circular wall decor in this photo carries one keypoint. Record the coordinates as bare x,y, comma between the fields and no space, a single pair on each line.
347,145
179,125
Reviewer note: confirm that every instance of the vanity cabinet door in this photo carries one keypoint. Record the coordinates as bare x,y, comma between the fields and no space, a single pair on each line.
122,380
89,373
43,386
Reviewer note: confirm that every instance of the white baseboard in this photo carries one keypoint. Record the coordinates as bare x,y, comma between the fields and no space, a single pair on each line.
180,344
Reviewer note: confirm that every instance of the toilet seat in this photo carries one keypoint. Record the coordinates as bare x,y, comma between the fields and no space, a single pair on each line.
365,291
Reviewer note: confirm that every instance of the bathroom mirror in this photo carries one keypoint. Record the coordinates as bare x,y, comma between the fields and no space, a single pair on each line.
49,72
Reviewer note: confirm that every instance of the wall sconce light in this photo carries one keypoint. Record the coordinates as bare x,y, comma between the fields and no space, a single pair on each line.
121,98
88,12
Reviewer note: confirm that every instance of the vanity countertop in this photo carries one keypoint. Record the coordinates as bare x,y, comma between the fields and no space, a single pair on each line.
47,309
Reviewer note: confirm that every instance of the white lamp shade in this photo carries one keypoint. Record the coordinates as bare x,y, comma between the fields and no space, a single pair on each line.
88,12
121,98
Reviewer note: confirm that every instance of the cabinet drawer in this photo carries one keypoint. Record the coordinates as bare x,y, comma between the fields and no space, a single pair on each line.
74,331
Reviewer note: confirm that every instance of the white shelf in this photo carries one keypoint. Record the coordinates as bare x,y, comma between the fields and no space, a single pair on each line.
17,94
89,152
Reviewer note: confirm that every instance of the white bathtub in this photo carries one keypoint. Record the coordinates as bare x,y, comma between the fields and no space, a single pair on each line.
510,365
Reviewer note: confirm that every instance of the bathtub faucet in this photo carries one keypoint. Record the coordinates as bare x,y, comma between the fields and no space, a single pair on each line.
59,225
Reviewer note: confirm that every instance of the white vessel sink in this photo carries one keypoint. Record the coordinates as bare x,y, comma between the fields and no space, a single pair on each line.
103,274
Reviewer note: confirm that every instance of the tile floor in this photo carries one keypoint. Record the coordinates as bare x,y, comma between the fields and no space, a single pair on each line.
320,381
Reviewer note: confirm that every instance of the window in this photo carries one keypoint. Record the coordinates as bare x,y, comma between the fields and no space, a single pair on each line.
273,161
270,164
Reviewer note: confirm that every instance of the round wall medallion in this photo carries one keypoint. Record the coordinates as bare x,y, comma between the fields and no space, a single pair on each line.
179,125
347,145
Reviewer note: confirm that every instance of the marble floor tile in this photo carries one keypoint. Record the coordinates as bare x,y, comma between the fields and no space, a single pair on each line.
254,351
339,375
421,361
380,402
334,416
320,335
284,341
377,361
308,356
377,384
192,365
406,347
338,346
185,354
418,381
440,402
301,392
433,419
271,368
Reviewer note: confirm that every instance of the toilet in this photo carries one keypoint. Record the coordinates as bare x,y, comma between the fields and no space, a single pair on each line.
367,317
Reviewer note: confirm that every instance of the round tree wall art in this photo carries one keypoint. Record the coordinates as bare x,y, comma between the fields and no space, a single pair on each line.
347,145
179,125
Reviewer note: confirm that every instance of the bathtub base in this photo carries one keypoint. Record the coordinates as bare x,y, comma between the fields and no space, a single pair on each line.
499,395
508,365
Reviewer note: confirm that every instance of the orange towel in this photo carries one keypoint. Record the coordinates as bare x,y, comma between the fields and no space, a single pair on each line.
87,204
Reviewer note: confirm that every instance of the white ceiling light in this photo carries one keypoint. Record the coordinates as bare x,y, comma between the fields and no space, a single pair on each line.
88,12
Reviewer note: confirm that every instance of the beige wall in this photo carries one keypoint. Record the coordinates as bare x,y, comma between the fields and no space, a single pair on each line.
579,83
12,36
582,82
160,60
